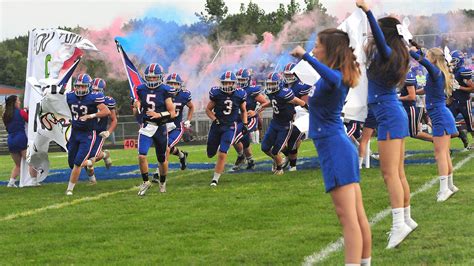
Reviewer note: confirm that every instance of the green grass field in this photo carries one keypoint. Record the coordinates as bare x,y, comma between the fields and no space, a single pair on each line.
250,218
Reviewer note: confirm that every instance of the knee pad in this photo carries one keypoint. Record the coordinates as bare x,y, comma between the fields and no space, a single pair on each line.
161,158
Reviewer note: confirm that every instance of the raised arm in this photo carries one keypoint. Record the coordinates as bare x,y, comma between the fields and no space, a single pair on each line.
326,73
433,71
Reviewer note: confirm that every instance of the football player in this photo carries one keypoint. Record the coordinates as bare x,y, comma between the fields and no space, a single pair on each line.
461,99
254,97
156,106
98,86
283,102
223,109
85,106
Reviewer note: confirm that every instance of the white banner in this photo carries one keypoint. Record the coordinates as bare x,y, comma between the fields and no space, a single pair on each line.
51,53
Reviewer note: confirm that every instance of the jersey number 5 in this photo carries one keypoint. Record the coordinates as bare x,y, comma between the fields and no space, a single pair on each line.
150,100
228,107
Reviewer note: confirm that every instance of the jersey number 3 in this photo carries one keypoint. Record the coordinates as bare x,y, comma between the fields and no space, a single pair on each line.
78,111
228,107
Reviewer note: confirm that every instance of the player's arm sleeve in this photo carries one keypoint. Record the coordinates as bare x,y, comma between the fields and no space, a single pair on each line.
111,104
466,74
289,95
379,38
99,98
332,76
212,95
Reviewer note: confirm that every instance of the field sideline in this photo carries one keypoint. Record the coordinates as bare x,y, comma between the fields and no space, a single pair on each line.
250,218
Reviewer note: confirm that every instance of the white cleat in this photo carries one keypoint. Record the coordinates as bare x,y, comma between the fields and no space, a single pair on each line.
292,169
163,187
453,188
213,183
278,172
69,193
107,159
143,188
396,236
444,195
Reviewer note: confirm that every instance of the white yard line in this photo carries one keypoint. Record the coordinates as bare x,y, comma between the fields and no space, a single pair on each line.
78,201
337,245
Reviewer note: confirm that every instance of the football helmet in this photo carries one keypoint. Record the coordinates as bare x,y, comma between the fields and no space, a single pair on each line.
175,81
244,75
154,75
98,85
82,84
272,83
289,76
228,82
458,58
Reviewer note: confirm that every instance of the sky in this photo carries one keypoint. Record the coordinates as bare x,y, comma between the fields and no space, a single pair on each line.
19,16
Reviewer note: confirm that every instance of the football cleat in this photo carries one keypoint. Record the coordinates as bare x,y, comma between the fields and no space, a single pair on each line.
278,172
69,193
444,195
143,188
396,235
163,187
292,169
107,159
92,180
183,161
12,184
453,188
156,178
239,162
250,165
286,163
214,183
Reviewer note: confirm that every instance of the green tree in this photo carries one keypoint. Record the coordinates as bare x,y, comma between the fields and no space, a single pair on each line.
216,11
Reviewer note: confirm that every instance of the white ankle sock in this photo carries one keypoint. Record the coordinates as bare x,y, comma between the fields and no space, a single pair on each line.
12,180
443,183
366,261
407,213
216,177
450,180
70,186
361,159
180,154
398,217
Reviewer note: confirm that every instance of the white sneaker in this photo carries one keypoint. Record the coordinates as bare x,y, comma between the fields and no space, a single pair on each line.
143,188
444,195
92,180
292,169
163,187
286,163
68,192
274,166
453,188
412,224
396,236
213,183
11,184
107,159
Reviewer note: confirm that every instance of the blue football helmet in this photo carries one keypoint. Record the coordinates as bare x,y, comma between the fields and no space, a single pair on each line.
458,59
228,82
98,85
288,76
175,81
82,84
154,71
272,83
244,75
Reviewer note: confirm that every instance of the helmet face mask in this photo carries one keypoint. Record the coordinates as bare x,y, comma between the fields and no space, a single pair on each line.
175,85
457,59
289,77
228,86
175,81
82,85
243,82
272,83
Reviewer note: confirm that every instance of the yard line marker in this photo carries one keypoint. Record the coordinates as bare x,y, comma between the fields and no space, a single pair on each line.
78,201
335,246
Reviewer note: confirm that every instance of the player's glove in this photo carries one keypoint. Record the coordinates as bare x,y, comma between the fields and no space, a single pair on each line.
104,134
245,129
187,124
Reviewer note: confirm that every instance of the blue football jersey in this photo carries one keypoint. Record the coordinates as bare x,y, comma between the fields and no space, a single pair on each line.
103,122
153,99
300,89
84,105
283,110
227,105
252,93
181,99
462,74
409,81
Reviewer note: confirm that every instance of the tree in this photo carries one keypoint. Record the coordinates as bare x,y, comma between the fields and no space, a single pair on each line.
314,4
216,11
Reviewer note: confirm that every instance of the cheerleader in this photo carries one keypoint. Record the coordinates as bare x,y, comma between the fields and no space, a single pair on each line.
339,71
